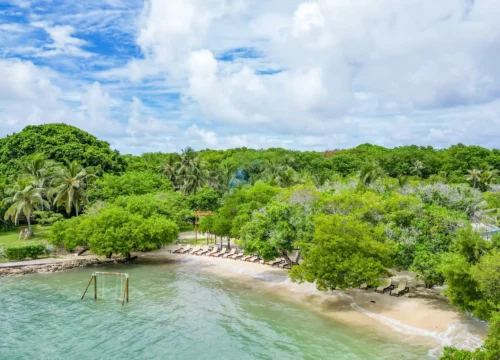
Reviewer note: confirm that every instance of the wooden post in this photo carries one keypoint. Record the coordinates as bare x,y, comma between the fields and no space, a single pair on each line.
92,278
95,287
124,291
127,289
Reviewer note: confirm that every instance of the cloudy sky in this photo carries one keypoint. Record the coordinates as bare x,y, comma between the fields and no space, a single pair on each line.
160,75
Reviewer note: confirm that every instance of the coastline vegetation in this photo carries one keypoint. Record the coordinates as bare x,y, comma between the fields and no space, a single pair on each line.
340,218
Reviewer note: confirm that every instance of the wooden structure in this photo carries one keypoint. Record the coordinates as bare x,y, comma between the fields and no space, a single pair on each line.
102,274
197,215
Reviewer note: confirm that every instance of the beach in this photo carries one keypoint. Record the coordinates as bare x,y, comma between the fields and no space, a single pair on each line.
429,322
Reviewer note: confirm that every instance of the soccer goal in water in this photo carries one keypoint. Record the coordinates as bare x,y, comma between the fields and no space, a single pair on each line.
109,285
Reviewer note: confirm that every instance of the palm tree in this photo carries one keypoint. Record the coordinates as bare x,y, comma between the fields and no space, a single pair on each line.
192,172
279,172
474,175
170,167
488,177
370,172
70,187
25,200
221,178
418,166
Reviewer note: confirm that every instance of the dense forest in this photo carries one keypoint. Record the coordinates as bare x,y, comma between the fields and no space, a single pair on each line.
351,215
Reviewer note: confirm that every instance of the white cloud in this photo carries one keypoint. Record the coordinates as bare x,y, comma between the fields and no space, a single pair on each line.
317,73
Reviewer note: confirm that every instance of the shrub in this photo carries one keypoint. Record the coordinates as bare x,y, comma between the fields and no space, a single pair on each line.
23,252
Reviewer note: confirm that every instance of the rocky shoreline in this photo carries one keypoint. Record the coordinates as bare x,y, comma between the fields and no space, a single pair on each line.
56,267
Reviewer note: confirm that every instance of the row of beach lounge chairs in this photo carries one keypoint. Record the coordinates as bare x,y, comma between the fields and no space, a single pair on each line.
229,254
387,285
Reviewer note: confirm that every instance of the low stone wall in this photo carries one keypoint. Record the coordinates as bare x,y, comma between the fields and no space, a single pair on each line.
61,266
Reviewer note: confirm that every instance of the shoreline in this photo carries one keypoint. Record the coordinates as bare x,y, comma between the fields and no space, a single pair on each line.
54,266
427,322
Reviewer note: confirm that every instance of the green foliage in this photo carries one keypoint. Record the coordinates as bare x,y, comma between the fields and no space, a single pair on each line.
346,253
18,253
275,231
170,205
130,183
204,200
47,217
60,143
115,230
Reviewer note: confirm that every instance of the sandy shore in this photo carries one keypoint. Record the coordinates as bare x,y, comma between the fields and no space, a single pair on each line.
428,322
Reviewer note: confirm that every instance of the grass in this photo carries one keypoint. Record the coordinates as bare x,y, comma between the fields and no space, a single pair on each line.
11,238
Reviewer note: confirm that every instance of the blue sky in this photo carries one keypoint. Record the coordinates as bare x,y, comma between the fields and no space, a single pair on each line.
160,75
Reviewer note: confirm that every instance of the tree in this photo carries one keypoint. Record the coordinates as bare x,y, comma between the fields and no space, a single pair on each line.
25,200
170,168
276,230
369,173
70,187
345,253
418,166
114,231
474,175
130,183
192,172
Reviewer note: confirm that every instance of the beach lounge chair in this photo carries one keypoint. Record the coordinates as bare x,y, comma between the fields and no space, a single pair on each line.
213,251
401,289
217,252
203,252
186,250
199,251
236,255
220,253
386,285
253,259
193,250
176,251
232,252
275,262
244,258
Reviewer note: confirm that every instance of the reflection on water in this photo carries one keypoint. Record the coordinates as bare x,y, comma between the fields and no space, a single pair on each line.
175,312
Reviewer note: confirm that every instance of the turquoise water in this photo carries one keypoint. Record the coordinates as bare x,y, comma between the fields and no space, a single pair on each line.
175,312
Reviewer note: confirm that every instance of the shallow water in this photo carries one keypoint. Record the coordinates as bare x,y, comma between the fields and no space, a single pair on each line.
175,312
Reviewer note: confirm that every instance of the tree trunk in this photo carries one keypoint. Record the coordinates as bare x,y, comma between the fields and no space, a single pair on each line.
76,208
229,242
81,252
297,257
30,231
108,255
287,258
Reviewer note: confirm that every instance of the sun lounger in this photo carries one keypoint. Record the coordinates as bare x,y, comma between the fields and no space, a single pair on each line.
193,250
386,285
235,256
202,252
177,250
253,259
244,258
275,262
220,253
232,252
223,251
186,250
199,251
401,289
213,251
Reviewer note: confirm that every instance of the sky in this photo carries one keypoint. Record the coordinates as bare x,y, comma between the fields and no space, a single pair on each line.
162,75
